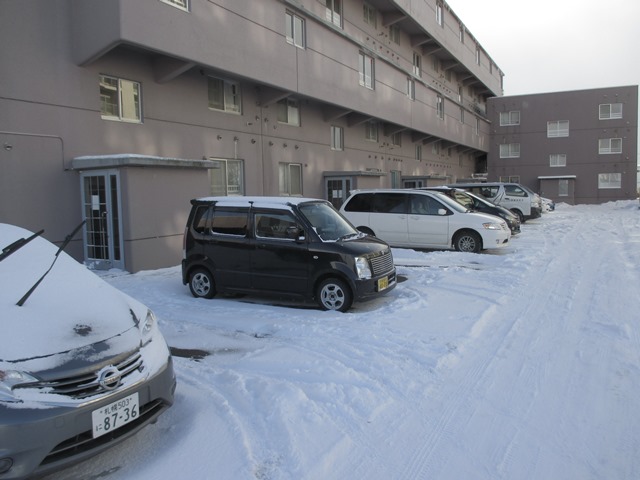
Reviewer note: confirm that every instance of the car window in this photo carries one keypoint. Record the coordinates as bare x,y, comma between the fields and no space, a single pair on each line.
229,222
362,202
276,225
390,203
424,205
201,220
463,199
514,191
326,221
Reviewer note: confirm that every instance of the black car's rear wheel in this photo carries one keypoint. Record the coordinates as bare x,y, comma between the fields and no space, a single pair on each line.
201,283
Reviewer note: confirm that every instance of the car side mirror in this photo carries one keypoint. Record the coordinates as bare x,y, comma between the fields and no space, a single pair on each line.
442,212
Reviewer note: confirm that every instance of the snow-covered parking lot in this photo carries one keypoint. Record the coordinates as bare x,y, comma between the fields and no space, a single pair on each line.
520,364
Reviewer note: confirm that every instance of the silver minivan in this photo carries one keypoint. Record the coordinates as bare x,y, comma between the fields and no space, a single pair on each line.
517,198
423,219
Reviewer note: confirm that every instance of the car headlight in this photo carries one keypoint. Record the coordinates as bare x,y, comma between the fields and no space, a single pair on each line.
492,226
147,327
362,268
10,379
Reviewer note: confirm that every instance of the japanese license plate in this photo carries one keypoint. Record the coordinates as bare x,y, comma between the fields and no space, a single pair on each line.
115,415
383,283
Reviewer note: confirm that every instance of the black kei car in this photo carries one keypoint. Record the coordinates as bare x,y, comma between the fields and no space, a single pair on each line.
299,248
477,204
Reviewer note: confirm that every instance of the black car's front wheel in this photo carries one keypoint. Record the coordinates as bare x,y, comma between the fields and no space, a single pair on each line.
468,242
334,294
201,283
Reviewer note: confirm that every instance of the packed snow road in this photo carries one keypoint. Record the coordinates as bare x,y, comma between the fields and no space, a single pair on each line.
523,364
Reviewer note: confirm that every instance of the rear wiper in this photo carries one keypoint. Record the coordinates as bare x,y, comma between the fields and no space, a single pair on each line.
18,244
64,244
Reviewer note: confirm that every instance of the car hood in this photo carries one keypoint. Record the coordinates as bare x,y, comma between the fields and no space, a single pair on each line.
72,310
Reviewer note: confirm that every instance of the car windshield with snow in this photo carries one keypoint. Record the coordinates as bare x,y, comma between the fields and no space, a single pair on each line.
82,365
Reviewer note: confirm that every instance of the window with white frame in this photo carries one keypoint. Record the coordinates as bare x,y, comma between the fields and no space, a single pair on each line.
563,187
440,13
366,70
418,152
289,111
227,178
558,160
120,99
224,95
370,15
396,139
290,179
609,180
558,128
181,4
411,88
394,33
294,27
334,12
371,131
510,118
440,106
396,178
417,64
609,145
510,150
337,138
608,111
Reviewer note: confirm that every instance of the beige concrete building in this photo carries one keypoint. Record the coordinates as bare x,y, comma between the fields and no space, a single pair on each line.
118,112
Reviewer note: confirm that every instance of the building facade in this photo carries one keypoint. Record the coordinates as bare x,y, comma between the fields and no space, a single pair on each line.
118,112
576,147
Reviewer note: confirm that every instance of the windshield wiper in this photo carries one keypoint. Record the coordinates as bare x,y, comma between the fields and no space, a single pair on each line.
18,244
64,244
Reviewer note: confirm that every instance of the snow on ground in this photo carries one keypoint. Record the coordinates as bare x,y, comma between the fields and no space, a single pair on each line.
520,364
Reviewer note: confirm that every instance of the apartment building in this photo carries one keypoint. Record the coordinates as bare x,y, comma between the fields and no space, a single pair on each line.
118,112
578,146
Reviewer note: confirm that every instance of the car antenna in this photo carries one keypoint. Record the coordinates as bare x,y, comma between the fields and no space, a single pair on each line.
18,244
64,244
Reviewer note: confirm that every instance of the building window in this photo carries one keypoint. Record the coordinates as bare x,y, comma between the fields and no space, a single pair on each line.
182,4
394,33
417,64
563,188
290,179
411,88
366,71
440,106
120,99
224,95
435,148
477,126
371,131
440,13
396,179
334,12
396,139
227,178
609,145
609,180
289,111
478,55
461,115
510,118
294,26
558,160
418,152
461,33
608,111
558,128
510,150
337,138
370,15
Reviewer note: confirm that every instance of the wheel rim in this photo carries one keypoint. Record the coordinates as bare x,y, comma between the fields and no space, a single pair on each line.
467,244
201,284
332,296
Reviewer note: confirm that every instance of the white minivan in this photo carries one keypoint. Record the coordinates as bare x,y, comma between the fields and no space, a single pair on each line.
423,219
517,198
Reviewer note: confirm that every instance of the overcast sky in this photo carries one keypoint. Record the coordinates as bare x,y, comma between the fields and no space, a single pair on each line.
557,45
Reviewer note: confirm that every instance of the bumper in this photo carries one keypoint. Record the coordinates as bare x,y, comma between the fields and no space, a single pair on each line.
43,440
495,239
369,289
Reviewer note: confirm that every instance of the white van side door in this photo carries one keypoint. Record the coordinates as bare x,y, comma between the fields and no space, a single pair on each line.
389,217
427,227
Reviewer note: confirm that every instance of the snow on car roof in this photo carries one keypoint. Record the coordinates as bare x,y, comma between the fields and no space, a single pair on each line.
259,201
